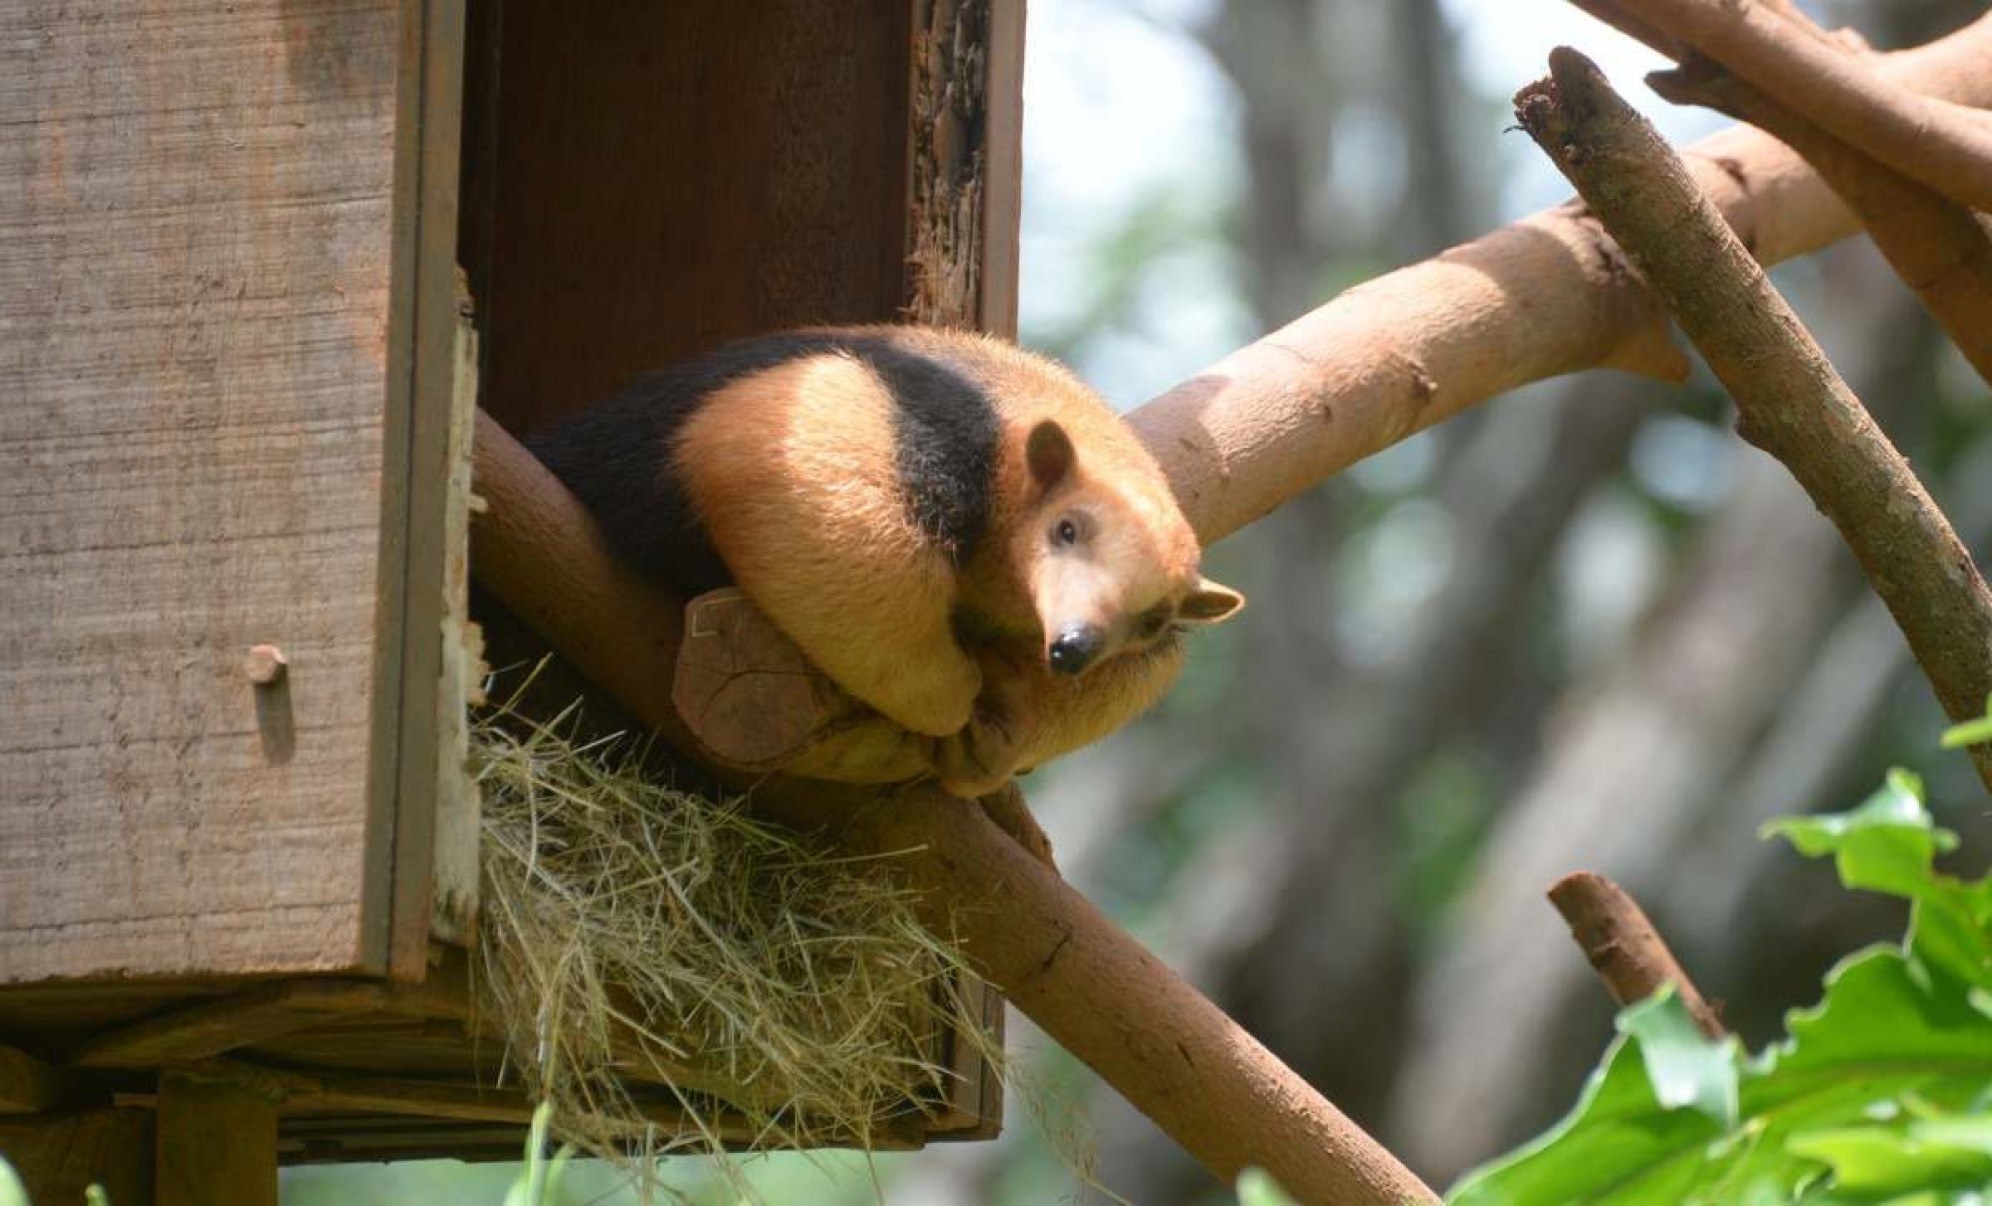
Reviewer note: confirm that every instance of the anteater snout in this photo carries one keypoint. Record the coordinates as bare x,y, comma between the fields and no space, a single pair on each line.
1075,648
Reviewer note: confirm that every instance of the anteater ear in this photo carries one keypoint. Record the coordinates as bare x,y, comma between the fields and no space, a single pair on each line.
1209,603
1049,453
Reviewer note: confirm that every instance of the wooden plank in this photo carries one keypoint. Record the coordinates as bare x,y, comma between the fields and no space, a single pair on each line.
194,289
59,1156
946,119
306,1094
203,1031
670,176
362,1139
421,391
27,1085
215,1141
971,1098
269,1012
57,1016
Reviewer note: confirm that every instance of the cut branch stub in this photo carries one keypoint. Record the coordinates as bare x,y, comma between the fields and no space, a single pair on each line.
744,688
1622,946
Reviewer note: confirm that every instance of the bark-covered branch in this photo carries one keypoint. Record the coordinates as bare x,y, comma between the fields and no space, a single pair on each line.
1624,949
1091,986
1789,400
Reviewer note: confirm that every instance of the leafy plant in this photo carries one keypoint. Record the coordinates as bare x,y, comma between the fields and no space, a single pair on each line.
1882,1093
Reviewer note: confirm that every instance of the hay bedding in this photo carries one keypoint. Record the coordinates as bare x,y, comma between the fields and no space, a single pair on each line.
636,935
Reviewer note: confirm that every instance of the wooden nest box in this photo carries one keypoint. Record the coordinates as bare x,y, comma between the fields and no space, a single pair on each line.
238,863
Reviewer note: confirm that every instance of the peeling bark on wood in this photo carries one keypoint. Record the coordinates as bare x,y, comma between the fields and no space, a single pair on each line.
946,173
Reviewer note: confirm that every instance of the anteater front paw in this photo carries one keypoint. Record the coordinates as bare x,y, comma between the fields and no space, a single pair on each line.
983,756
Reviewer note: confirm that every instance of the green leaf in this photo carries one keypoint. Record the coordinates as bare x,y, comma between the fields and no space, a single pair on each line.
1623,1142
1256,1187
1684,1066
1889,844
531,1187
1878,1032
1885,845
1970,732
1906,1157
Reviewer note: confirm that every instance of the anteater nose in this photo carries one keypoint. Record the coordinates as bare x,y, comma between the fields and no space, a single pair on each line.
1075,649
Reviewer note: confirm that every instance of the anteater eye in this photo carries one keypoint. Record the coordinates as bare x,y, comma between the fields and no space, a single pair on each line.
1066,532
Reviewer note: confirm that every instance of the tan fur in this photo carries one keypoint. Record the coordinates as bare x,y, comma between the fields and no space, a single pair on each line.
793,471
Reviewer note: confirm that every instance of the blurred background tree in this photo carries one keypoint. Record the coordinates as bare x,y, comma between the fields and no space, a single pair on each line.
1583,626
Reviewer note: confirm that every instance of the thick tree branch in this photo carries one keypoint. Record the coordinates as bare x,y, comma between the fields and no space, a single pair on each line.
1624,949
1789,400
1946,147
1168,1050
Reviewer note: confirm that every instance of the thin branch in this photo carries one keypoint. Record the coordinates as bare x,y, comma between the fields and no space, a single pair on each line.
1943,145
1091,986
1624,949
1789,400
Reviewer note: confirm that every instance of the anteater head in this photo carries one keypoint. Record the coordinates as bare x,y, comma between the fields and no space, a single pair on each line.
1110,562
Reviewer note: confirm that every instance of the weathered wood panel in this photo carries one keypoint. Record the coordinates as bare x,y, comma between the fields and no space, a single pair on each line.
664,177
420,480
195,237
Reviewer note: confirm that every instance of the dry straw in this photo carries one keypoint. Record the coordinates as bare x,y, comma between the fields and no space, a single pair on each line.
673,974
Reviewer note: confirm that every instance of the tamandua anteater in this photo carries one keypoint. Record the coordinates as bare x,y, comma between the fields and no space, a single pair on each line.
959,533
